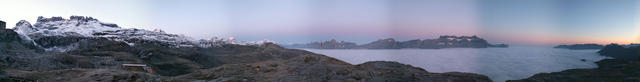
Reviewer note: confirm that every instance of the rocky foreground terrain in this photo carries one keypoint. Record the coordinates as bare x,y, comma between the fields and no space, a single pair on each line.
390,43
82,49
625,67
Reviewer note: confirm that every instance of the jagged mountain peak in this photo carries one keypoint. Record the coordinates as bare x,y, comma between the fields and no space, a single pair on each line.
24,26
46,29
88,27
387,40
74,18
82,18
78,20
23,23
57,26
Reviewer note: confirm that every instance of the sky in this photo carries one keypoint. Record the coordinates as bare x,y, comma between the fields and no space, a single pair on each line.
361,21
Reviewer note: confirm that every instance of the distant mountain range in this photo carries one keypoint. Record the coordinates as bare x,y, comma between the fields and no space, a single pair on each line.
580,46
589,46
390,43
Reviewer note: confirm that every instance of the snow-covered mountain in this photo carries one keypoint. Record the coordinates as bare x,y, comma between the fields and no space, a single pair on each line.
88,27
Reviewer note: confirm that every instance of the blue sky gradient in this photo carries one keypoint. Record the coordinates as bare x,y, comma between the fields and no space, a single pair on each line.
362,21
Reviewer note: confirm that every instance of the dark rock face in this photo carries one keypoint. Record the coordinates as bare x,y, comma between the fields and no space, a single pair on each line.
10,40
619,52
3,24
109,25
42,19
411,43
580,46
390,43
53,41
9,35
80,18
17,53
625,67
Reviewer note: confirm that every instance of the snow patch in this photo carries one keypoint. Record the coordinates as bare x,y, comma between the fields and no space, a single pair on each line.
62,48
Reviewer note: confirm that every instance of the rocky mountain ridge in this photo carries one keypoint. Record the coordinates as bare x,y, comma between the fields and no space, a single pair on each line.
390,43
580,46
331,44
78,27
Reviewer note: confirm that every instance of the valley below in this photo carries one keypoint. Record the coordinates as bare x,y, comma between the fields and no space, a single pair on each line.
499,64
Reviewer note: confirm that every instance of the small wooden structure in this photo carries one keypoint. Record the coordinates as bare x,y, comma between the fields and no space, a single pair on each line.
138,67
